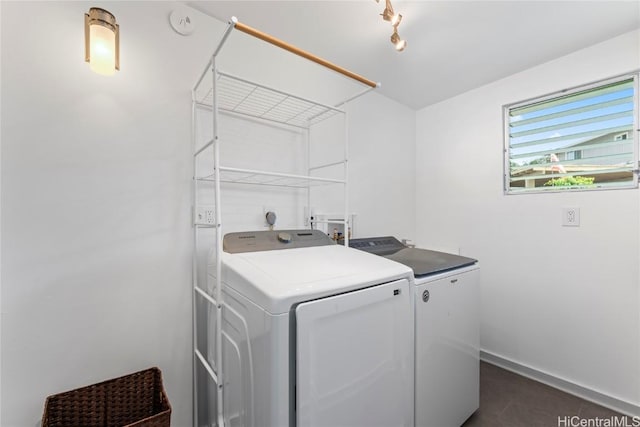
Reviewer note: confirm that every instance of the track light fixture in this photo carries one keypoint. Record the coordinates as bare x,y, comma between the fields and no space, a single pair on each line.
395,18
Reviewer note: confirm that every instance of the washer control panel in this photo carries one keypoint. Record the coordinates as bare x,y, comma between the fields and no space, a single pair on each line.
377,245
255,241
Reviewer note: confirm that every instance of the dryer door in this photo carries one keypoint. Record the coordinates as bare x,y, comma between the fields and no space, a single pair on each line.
354,358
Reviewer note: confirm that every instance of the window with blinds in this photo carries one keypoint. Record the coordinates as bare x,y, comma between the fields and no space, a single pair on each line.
581,139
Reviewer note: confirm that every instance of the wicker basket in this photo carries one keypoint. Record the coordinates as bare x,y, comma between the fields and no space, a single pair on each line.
135,400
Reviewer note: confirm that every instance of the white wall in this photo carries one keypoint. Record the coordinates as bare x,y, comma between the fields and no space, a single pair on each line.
564,301
96,204
382,167
96,173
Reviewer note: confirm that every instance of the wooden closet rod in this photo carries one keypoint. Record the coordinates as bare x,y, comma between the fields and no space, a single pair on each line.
293,49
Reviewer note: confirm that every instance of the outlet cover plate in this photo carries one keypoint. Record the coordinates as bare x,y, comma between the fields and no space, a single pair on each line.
571,217
205,215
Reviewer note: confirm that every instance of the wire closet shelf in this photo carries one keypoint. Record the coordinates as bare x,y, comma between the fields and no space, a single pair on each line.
222,93
246,98
275,179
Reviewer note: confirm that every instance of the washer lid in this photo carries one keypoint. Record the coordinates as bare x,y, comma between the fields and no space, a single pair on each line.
276,280
425,262
422,261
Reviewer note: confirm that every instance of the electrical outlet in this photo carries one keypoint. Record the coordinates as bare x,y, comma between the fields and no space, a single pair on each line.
205,215
571,217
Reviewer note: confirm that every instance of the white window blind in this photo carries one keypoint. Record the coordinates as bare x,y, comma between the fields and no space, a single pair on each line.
575,140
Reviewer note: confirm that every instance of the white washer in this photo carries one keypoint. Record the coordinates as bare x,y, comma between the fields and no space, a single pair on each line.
314,334
447,330
447,343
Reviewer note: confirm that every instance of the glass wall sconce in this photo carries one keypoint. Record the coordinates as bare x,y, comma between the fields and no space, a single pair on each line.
101,41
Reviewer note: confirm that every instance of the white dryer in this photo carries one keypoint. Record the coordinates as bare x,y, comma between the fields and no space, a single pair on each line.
314,334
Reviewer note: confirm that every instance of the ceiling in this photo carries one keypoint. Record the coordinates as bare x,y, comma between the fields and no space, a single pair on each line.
453,46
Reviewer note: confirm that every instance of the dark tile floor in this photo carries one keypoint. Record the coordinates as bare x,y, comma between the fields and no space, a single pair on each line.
511,400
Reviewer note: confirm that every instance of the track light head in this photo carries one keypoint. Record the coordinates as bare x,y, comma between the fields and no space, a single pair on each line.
389,15
396,19
398,43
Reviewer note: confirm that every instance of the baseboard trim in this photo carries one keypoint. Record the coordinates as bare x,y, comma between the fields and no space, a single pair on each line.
624,407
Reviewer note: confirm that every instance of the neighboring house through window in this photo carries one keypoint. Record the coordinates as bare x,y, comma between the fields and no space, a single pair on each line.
574,155
582,138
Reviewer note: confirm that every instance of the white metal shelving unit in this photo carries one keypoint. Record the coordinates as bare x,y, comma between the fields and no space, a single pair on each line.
222,93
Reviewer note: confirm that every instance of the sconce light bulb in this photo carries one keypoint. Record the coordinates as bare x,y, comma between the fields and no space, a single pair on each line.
102,50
